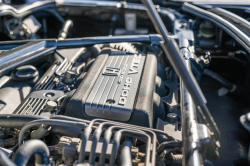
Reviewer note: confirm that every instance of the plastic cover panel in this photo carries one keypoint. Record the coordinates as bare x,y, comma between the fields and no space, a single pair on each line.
114,93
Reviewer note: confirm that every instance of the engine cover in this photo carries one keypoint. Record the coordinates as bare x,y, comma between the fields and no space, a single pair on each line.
117,87
114,92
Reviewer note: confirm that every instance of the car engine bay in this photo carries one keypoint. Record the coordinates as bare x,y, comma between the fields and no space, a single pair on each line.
124,83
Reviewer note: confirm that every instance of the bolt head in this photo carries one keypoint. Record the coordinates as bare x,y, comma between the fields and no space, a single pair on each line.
172,117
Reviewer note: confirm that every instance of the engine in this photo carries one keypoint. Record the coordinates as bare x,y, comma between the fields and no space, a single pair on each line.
116,86
121,83
113,81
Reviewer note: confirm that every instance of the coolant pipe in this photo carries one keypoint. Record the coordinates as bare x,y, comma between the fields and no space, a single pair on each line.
30,148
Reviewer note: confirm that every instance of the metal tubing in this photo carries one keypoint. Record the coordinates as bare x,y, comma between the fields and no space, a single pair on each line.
126,126
190,147
209,120
65,29
235,18
141,133
107,136
117,138
80,42
188,83
173,54
86,41
202,108
97,135
131,132
225,25
106,140
25,53
190,138
215,19
85,138
125,156
60,66
88,131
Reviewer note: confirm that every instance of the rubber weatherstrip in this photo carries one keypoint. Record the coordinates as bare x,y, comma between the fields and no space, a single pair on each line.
228,27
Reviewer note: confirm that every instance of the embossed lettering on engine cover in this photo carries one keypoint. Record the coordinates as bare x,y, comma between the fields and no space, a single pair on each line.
115,90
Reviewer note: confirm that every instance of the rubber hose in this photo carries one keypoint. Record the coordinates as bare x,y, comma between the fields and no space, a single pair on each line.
67,131
164,145
30,148
80,68
4,160
88,65
8,142
62,117
95,51
43,130
51,122
56,14
40,132
220,79
160,161
16,120
92,52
